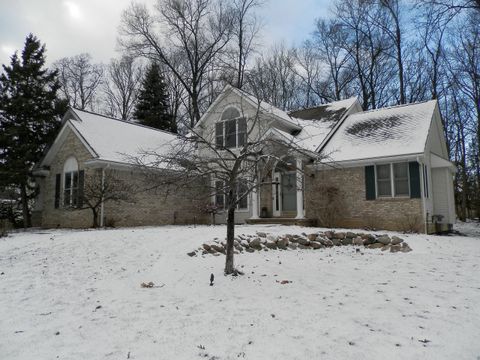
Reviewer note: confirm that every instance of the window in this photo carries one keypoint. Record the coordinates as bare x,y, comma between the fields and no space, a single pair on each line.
400,176
392,180
219,195
70,183
231,131
383,180
221,200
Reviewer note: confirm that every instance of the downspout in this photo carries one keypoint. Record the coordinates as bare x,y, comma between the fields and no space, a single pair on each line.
422,192
102,207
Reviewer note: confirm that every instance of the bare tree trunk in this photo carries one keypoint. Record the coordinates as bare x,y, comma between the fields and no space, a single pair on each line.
95,218
27,221
229,265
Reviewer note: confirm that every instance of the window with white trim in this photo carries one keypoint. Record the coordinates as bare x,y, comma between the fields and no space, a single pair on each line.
393,180
231,130
384,183
70,182
221,199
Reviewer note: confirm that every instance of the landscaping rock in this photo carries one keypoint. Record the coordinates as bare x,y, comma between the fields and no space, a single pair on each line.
350,235
375,246
395,248
271,245
301,246
347,241
315,245
282,243
303,241
384,239
292,246
244,243
255,244
312,237
192,253
272,238
396,240
328,234
386,247
357,241
250,250
326,242
368,239
339,235
261,234
206,247
218,248
336,242
405,247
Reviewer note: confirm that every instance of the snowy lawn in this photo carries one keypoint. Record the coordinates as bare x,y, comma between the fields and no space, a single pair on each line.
76,295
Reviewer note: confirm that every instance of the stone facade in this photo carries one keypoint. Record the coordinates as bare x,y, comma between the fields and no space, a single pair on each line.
345,204
145,207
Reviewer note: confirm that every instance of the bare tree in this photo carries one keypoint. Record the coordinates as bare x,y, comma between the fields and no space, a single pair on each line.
202,161
330,40
197,31
103,186
79,79
121,88
246,28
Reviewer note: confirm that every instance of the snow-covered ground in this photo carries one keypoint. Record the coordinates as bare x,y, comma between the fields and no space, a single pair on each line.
76,295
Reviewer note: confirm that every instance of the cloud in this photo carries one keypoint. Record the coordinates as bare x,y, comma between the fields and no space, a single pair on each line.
73,10
71,27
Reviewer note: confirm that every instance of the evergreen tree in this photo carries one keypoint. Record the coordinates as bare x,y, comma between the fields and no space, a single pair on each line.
152,108
29,118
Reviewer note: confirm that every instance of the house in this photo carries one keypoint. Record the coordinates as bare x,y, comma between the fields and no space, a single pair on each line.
386,168
90,144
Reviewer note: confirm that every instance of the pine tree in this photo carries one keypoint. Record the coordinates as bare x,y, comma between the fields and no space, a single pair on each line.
152,108
29,118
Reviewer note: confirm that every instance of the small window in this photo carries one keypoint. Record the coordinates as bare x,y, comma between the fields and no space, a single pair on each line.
384,184
70,182
242,189
400,176
242,132
219,195
230,134
231,131
219,135
221,199
230,113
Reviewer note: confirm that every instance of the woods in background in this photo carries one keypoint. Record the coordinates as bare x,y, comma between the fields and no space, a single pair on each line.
178,56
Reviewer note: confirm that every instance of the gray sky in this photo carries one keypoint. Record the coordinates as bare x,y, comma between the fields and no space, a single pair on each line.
70,27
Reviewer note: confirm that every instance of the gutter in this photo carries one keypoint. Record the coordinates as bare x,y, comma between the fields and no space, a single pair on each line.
422,182
368,161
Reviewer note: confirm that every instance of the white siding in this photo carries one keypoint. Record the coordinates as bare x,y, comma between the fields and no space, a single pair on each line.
442,192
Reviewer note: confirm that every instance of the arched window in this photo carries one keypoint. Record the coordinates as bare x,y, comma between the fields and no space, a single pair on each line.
70,182
231,130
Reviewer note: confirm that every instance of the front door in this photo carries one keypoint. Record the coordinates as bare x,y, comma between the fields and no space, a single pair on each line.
289,192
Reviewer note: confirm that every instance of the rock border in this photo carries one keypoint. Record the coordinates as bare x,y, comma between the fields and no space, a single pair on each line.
262,241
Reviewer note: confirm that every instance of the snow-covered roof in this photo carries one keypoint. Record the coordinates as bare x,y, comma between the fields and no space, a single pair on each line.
393,131
116,140
316,123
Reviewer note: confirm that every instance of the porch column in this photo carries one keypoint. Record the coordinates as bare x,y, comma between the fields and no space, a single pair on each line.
300,213
255,202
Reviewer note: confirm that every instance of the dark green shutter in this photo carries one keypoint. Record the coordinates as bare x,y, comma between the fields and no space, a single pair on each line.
58,182
414,171
370,182
81,177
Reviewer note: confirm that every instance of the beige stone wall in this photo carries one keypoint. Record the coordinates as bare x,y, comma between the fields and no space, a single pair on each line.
352,210
61,217
153,205
150,207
